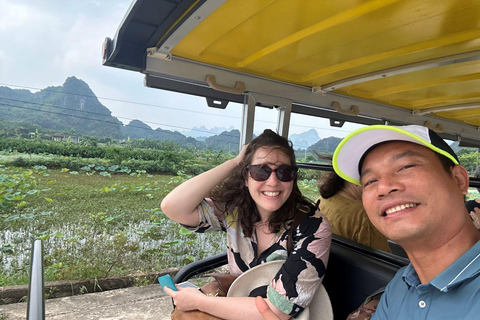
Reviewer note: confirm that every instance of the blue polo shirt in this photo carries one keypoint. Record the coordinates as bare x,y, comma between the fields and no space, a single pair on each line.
453,294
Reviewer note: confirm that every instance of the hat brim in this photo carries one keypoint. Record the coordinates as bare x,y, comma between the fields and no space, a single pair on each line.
263,274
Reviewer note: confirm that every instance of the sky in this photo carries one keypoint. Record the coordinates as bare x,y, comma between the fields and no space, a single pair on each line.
45,42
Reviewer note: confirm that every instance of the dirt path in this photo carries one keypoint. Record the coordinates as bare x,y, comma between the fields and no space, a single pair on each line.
142,303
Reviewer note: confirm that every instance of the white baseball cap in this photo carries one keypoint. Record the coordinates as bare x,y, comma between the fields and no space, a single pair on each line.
352,149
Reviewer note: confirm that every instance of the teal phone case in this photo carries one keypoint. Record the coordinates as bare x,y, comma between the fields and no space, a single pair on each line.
166,280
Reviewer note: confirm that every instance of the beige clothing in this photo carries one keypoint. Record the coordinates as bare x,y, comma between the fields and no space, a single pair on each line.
349,220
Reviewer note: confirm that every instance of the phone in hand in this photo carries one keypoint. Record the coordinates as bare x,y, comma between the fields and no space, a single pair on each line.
187,284
167,281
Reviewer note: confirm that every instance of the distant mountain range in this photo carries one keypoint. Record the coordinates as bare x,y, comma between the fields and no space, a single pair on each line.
73,108
304,139
203,133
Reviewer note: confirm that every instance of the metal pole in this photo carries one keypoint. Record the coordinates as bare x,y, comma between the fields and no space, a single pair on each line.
36,301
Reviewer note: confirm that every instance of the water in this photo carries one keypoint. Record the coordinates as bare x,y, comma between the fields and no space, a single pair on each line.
135,241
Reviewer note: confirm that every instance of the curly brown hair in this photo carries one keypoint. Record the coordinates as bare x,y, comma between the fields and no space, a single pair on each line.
233,194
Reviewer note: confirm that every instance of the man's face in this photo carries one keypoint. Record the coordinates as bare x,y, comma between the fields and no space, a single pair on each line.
408,195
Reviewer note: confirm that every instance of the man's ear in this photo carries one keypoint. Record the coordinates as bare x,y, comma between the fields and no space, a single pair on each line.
460,174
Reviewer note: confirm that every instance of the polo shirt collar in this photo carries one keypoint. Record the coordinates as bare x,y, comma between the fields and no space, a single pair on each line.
410,277
465,267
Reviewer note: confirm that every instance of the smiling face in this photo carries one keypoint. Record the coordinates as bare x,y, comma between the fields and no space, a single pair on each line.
271,194
408,195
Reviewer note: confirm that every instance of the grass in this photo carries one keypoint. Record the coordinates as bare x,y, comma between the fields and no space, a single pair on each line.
96,226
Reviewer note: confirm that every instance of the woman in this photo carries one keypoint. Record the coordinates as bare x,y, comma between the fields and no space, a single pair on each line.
255,206
341,202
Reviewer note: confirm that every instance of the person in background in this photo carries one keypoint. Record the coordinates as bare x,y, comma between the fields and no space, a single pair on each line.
476,174
341,203
474,209
255,199
473,206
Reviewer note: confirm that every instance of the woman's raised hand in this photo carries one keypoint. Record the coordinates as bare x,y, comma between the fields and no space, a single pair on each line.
181,203
241,155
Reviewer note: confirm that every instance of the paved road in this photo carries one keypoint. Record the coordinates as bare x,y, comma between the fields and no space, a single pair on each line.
142,303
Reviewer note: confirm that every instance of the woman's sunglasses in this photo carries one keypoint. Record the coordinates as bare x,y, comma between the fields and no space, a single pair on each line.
285,173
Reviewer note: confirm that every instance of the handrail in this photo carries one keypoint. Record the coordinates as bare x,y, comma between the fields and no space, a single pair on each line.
36,301
315,166
197,267
354,110
212,82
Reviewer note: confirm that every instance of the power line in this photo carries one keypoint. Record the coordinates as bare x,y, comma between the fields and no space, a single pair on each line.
109,122
131,102
156,106
104,121
92,112
117,100
107,115
86,118
125,101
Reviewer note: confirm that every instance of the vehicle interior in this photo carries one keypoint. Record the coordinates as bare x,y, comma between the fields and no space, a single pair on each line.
366,62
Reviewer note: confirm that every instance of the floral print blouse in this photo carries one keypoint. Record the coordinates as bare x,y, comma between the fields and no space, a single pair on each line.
293,287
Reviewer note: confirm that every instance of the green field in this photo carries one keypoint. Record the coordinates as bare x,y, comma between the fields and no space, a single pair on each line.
94,226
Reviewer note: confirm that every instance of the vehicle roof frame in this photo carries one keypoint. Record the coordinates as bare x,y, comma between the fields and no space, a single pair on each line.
195,73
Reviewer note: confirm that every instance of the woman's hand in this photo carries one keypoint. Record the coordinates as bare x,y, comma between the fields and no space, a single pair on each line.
241,155
181,203
186,299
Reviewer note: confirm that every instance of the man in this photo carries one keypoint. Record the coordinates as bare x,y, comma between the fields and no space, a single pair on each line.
413,192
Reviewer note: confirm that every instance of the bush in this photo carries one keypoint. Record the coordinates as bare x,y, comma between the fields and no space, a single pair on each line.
20,162
151,156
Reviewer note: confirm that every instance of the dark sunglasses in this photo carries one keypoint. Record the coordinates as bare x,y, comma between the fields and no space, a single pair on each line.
285,173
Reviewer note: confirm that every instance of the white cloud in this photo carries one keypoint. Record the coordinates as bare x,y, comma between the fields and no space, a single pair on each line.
16,15
6,62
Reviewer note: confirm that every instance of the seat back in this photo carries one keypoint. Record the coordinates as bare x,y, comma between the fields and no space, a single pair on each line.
354,272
